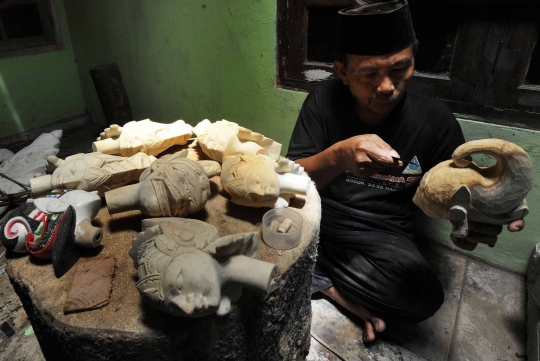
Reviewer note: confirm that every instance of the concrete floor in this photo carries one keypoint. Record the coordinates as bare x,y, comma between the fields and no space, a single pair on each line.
482,318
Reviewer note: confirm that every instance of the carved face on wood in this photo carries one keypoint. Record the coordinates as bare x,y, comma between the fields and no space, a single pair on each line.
224,138
260,181
184,292
251,177
220,141
76,174
80,171
142,136
185,269
92,171
173,186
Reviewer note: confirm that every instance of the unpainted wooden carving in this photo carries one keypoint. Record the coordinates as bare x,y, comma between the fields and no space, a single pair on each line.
460,190
224,138
173,186
186,269
258,181
92,171
27,162
143,136
86,206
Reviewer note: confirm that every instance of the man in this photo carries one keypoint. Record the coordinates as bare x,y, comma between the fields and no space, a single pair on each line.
366,144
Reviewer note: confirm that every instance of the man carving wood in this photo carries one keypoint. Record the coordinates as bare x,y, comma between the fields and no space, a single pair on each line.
366,143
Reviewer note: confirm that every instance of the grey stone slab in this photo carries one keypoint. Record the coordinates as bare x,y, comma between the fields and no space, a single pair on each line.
9,301
533,275
432,337
2,255
491,320
533,329
318,352
533,310
345,336
23,346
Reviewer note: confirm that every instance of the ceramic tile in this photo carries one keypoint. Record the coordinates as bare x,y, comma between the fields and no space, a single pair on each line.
9,301
23,346
317,352
491,322
342,334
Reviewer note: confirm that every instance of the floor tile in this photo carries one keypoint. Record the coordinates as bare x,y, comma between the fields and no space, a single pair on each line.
432,338
318,352
23,346
343,335
9,301
491,322
19,343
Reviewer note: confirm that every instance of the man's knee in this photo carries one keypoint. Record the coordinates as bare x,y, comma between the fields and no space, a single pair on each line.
411,291
424,296
427,306
401,286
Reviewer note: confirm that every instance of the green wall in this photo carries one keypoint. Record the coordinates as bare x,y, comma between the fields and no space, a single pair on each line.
187,60
36,90
200,59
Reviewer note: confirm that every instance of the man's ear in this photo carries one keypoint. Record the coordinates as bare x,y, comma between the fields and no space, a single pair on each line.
341,71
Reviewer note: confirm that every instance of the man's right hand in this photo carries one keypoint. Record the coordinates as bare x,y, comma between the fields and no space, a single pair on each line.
362,155
365,155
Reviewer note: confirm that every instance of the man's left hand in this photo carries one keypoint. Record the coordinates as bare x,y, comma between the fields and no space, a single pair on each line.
484,233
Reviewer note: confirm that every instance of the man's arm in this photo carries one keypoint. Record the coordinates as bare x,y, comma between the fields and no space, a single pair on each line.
310,145
362,155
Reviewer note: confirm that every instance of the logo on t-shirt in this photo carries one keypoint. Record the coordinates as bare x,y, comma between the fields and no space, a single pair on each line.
413,167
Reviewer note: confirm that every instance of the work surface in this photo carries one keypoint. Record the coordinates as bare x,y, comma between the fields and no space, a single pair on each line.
126,312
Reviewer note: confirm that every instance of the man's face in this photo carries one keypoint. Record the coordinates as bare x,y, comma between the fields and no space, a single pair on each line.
377,81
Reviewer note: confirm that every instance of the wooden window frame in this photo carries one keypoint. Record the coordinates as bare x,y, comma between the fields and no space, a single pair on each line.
486,92
48,41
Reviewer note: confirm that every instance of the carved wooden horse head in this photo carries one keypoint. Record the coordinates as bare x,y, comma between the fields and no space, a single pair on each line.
460,190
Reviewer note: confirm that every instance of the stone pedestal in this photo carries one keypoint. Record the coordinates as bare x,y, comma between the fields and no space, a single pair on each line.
259,327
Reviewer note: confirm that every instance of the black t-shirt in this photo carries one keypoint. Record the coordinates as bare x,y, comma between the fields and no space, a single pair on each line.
423,131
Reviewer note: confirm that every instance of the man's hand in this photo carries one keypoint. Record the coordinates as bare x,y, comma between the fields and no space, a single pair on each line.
484,233
362,155
365,155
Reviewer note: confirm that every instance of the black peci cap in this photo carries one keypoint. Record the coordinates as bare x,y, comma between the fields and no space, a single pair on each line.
375,28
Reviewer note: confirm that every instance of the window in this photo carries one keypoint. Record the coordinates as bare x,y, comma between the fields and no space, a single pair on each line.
27,27
480,57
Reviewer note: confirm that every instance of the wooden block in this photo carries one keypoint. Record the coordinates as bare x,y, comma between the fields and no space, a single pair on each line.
285,225
274,225
91,285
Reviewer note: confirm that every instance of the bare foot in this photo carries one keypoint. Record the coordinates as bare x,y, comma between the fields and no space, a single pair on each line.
373,324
